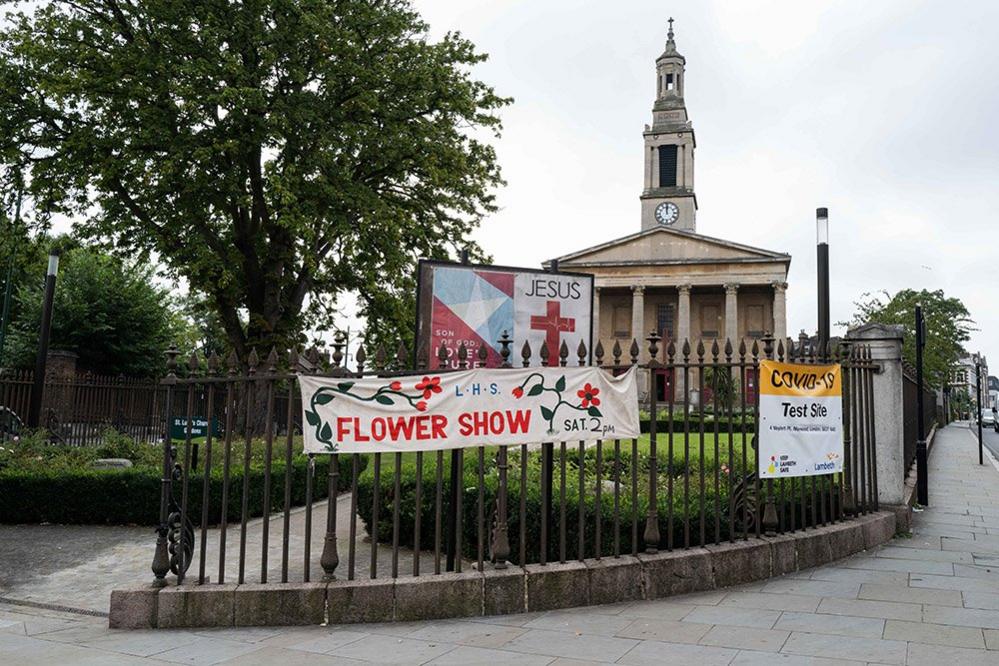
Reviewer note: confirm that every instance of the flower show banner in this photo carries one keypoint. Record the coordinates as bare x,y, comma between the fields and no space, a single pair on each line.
474,305
468,408
801,419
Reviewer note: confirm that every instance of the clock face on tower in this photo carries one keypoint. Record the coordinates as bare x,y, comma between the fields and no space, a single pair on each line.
667,213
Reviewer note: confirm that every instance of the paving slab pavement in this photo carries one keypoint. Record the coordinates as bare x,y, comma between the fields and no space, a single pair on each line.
922,599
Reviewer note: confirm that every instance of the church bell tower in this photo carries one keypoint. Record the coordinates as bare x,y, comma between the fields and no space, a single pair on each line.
668,198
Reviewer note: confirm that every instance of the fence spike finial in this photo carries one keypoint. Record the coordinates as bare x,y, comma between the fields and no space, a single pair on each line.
360,357
544,353
525,354
780,350
293,360
442,356
213,364
402,354
634,351
685,350
728,350
563,354
193,363
272,360
670,351
581,352
715,350
381,356
483,356
232,363
700,350
598,352
462,356
252,361
616,352
755,350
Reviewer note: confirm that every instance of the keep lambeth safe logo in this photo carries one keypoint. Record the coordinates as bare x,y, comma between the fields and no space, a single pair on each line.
468,408
801,418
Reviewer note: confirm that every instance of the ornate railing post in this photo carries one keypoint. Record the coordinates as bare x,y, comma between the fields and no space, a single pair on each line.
769,509
652,535
501,537
161,558
330,559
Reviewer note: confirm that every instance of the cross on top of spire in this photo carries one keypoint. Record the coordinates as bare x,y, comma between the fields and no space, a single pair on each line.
670,33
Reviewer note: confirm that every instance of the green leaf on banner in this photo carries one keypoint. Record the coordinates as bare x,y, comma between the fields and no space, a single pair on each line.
560,384
593,411
546,413
345,386
536,390
312,418
384,400
323,398
326,434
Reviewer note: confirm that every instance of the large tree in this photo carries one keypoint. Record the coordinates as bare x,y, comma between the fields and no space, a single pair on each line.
274,153
948,326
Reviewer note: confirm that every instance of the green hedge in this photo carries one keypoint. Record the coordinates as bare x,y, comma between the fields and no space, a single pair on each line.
738,425
44,483
685,512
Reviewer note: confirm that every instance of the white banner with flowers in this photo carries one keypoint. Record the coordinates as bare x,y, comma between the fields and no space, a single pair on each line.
480,407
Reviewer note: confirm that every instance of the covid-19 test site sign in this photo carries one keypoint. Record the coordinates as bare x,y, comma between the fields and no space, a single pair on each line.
801,419
479,407
459,303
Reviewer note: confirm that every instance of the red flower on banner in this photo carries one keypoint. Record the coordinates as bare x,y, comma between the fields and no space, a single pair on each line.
395,386
429,386
588,394
518,392
421,406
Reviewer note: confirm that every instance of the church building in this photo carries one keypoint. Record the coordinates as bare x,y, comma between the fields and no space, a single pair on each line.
666,277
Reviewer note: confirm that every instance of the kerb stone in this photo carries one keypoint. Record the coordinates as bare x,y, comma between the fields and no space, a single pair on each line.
614,579
878,528
133,608
436,597
360,601
196,606
814,547
845,539
551,586
504,591
783,554
277,604
679,572
740,562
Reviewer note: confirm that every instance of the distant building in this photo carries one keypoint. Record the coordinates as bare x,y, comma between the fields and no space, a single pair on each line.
666,277
963,379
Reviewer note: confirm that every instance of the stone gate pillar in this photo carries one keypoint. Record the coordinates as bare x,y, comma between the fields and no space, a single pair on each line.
885,342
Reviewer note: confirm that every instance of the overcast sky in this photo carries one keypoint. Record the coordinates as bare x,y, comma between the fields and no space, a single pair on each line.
883,111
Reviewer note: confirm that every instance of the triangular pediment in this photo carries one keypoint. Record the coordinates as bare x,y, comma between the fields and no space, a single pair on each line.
658,246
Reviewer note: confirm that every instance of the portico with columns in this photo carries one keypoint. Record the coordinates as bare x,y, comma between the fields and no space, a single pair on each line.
667,278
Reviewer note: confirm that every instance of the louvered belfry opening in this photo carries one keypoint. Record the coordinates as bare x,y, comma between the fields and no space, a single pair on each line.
667,166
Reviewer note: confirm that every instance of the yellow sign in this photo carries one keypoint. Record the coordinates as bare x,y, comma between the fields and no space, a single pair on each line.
801,419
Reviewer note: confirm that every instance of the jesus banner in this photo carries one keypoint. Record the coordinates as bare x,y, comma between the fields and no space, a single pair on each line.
480,407
474,305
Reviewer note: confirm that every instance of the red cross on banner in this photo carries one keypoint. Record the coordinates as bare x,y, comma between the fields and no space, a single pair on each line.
553,324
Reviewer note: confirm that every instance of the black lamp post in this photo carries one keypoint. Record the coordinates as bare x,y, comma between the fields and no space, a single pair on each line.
35,407
822,266
922,485
978,413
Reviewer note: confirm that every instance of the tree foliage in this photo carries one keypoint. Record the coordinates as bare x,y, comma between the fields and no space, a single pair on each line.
276,154
105,310
948,327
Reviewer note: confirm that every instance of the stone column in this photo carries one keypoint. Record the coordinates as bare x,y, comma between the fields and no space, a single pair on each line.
682,316
682,333
732,314
886,350
780,309
637,318
596,315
